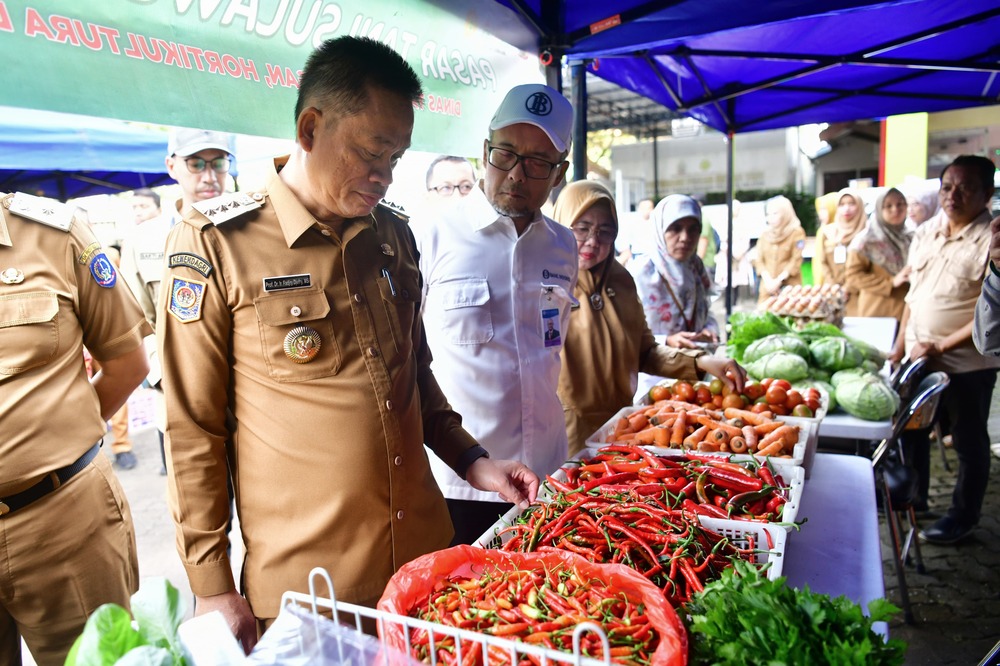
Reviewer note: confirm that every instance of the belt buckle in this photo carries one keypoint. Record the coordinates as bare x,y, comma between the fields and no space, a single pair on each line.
4,509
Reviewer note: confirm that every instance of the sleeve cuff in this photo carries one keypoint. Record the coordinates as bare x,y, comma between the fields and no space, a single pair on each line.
468,457
211,578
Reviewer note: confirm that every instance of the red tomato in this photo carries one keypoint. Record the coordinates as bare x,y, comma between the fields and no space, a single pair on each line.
658,393
794,400
802,410
779,410
783,383
754,391
776,395
684,391
759,407
813,404
766,382
717,401
813,393
734,400
702,395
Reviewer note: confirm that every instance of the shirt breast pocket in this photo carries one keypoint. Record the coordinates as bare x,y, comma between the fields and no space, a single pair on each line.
461,311
400,295
967,272
29,331
290,325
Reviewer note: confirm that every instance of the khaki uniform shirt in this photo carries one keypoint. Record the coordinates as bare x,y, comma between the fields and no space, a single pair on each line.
872,287
775,258
604,351
58,292
328,459
945,283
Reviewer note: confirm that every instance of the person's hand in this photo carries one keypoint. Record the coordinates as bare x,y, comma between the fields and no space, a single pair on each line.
236,610
995,241
683,340
726,369
922,349
902,276
512,480
896,355
707,335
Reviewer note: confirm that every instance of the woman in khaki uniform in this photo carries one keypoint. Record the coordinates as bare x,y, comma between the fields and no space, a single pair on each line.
608,341
779,250
876,259
847,223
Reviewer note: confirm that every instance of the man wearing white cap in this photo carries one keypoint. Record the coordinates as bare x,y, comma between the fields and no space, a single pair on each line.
497,273
199,161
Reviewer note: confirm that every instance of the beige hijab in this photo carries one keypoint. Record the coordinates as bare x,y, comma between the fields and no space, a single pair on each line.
575,199
843,230
787,221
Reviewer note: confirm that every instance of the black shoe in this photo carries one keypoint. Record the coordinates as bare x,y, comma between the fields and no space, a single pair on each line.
946,531
125,460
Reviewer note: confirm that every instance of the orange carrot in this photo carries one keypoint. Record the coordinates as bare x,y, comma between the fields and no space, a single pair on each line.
750,437
696,437
746,416
679,429
718,425
768,427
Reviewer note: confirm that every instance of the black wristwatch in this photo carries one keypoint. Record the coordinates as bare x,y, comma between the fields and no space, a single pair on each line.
468,457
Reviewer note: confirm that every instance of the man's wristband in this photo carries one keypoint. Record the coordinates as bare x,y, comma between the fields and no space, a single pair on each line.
468,457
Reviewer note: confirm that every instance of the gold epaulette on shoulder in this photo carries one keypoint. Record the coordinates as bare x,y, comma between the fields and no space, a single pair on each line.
229,206
395,209
40,209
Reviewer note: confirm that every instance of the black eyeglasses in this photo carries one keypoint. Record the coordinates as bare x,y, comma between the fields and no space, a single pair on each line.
447,190
218,164
534,167
583,233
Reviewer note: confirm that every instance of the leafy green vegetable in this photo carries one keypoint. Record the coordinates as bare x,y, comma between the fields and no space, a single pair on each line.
792,344
746,328
867,397
842,376
835,354
109,638
815,330
780,365
870,352
743,619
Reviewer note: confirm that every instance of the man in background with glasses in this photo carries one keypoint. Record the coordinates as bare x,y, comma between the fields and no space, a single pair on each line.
499,276
199,160
450,177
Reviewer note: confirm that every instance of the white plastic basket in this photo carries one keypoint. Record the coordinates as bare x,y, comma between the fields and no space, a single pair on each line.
359,616
601,436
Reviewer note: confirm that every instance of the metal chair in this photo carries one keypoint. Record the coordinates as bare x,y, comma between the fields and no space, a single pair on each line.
897,483
904,381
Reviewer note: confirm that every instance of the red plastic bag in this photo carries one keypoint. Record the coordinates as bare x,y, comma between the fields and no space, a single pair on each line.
411,586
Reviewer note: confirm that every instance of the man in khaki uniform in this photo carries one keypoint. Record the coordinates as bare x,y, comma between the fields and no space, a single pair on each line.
948,260
291,330
199,161
66,539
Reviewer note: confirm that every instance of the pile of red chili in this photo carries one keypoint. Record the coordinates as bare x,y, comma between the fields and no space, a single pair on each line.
536,606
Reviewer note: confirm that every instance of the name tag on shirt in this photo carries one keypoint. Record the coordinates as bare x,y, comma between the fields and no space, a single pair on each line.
282,282
840,254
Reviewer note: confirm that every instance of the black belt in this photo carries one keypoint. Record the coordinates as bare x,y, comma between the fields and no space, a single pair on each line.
51,481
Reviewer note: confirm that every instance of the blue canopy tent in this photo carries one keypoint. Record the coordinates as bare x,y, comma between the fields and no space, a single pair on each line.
65,156
741,67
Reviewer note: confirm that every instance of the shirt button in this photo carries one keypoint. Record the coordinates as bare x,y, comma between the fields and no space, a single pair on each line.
325,232
295,311
398,461
357,298
372,352
388,405
399,515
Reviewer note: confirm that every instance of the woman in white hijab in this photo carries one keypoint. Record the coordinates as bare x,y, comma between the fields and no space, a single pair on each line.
779,250
847,223
672,282
876,259
921,203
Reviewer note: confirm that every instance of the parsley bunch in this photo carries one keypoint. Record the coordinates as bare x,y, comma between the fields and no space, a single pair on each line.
744,619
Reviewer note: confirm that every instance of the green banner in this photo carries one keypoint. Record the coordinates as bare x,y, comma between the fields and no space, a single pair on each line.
233,65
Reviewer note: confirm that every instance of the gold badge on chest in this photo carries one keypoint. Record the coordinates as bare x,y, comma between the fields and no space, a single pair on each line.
302,344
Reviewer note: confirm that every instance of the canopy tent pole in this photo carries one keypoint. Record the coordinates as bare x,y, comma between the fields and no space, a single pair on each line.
656,167
729,225
578,96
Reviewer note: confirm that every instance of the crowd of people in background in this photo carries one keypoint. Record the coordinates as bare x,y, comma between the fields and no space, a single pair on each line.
307,330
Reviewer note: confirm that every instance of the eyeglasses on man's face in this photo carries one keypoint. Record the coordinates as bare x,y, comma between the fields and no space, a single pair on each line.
533,167
584,232
448,189
217,164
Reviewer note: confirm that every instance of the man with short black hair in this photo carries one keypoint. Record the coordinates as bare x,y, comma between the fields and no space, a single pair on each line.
449,176
948,258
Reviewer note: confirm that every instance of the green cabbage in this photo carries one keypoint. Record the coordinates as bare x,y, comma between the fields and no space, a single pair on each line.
867,397
780,365
870,352
843,375
836,354
772,343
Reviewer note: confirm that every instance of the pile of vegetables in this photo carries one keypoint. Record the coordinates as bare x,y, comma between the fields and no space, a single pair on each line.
810,357
744,619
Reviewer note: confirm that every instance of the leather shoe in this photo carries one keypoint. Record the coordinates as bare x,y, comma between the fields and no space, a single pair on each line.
946,531
125,460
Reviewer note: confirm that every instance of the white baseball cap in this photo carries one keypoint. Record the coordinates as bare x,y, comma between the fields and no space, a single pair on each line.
541,106
185,142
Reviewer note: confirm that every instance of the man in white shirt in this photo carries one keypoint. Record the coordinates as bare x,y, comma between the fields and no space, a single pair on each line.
986,331
497,276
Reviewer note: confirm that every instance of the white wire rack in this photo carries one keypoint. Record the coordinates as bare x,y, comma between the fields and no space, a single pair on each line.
492,647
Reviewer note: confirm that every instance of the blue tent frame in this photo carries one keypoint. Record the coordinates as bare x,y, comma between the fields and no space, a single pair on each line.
65,156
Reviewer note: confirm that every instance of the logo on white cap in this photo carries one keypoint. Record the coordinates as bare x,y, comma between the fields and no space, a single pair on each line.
538,104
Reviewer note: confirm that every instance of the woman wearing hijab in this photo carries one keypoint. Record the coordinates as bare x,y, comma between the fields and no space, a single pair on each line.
922,204
672,282
779,250
848,222
826,210
608,342
876,259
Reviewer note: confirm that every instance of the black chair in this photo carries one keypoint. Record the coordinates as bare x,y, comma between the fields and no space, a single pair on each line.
904,381
896,482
